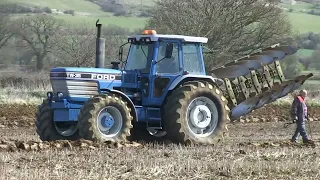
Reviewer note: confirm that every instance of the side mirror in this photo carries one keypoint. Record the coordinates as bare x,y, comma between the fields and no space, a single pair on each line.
169,50
120,53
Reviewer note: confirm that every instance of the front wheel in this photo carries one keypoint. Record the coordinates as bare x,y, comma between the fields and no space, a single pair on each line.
196,113
49,130
105,118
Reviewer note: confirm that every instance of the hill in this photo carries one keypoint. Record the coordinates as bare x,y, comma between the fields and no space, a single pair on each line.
128,13
77,11
77,5
301,19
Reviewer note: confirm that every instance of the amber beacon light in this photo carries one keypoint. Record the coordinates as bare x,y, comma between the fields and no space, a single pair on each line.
148,32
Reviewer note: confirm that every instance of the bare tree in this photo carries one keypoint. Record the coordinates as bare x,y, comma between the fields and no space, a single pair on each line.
37,33
5,32
75,45
233,27
115,36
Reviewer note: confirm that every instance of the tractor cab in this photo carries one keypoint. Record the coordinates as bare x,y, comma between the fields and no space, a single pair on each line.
165,54
161,62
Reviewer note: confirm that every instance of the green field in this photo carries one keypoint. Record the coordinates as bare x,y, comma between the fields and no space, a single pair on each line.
316,74
303,22
138,2
77,5
299,6
126,22
312,82
304,52
88,12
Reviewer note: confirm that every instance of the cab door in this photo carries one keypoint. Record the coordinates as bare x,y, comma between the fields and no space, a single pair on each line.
164,70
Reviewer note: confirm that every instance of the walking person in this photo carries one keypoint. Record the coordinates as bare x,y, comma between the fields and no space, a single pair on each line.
299,113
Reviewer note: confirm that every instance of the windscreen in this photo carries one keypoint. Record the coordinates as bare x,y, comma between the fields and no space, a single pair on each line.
140,56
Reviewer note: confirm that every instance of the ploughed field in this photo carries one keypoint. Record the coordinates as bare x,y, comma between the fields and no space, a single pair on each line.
256,147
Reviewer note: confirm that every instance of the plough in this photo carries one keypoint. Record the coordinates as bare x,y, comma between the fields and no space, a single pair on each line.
257,79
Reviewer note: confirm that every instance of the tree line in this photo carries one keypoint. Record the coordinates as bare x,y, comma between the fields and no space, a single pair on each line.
48,42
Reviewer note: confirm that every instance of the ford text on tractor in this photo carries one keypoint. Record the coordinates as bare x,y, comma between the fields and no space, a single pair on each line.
161,88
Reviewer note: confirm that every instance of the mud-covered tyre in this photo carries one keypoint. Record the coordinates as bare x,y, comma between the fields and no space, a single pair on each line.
105,118
209,116
48,130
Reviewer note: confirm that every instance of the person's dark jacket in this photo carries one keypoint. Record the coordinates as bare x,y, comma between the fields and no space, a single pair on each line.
299,109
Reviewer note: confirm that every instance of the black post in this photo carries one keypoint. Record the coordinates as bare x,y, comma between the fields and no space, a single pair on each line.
100,47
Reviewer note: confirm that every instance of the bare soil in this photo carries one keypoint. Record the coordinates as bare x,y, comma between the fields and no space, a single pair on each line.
20,115
250,151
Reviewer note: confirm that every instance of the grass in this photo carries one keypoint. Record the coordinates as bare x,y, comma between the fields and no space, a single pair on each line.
93,12
77,5
286,101
126,22
315,73
315,79
131,23
31,88
301,21
138,2
304,52
313,82
304,23
299,6
22,96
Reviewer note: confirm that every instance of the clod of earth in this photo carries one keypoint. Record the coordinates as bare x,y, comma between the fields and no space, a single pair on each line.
274,144
16,145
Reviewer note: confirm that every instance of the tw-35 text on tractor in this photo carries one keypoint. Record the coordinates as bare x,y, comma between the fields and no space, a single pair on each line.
162,87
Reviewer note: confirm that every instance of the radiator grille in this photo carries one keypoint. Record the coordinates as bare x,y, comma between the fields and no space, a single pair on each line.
73,88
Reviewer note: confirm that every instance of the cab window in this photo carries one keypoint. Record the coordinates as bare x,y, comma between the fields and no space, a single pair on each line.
140,56
168,65
191,58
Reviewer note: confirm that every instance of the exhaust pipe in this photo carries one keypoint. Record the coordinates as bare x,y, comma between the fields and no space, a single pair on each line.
100,47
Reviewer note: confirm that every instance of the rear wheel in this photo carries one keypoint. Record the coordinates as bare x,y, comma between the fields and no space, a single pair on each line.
49,130
105,118
196,112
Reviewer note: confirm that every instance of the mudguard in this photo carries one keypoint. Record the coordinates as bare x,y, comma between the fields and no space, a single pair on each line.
180,79
130,103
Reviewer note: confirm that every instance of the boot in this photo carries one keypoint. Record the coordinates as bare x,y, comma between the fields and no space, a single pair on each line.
308,141
293,141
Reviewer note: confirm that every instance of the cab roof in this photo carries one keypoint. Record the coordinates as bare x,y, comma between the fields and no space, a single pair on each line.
152,34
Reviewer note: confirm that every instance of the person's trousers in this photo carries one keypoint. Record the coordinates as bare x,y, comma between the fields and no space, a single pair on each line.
301,129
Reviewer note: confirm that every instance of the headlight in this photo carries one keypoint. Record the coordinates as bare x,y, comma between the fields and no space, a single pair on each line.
137,96
60,94
49,95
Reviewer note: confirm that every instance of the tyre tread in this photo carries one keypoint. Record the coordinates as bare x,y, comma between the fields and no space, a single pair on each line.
88,115
176,105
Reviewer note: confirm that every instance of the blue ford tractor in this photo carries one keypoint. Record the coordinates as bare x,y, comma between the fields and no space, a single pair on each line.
162,88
